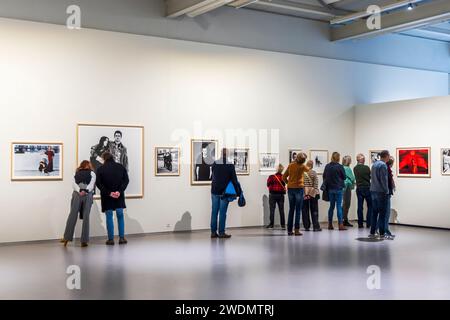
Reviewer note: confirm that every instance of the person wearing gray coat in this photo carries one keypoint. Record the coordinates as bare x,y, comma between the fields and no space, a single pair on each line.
82,199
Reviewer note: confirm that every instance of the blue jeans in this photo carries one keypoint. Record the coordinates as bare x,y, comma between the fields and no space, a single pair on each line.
336,197
388,216
219,209
363,193
295,205
379,201
110,223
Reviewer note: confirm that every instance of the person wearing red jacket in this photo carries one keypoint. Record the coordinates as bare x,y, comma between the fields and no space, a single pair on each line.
277,191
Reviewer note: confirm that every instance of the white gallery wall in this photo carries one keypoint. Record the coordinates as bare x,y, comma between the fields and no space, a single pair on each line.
411,123
52,78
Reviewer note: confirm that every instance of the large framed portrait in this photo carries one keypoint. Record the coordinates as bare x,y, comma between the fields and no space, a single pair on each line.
374,156
36,161
414,162
445,161
268,162
240,159
167,161
320,158
125,143
203,154
293,154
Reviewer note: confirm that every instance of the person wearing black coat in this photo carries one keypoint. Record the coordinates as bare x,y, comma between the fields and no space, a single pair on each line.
334,182
223,173
112,180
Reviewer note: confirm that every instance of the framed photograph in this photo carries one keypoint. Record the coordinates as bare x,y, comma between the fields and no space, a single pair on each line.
167,161
293,154
374,156
445,161
203,154
36,161
126,144
268,162
320,159
414,162
240,159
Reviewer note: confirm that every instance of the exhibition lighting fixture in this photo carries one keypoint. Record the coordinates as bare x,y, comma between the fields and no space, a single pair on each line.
410,7
207,8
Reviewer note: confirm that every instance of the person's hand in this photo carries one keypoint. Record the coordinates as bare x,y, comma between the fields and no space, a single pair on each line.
113,195
117,194
82,193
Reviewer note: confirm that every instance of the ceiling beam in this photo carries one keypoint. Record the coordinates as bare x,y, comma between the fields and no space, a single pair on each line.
176,8
290,6
422,15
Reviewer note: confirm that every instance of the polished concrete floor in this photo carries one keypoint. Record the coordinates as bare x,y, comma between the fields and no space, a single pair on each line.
254,264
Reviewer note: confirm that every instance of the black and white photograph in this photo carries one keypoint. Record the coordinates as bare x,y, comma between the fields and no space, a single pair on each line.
125,143
240,158
374,156
320,159
36,161
293,154
445,161
203,155
268,162
167,161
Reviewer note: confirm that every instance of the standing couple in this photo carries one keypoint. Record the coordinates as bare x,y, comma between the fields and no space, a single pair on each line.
116,148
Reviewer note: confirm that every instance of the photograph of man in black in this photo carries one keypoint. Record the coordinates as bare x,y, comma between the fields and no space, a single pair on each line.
204,159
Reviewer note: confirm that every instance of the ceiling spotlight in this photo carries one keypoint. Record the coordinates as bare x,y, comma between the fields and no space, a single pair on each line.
410,6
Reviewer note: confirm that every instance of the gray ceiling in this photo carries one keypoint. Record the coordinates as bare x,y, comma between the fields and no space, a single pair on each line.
439,31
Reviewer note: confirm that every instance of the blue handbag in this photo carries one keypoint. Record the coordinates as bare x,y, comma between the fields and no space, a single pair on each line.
230,191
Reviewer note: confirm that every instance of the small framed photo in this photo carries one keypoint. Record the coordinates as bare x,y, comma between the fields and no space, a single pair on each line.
293,154
268,162
36,161
374,156
414,162
240,159
445,161
167,161
203,155
320,158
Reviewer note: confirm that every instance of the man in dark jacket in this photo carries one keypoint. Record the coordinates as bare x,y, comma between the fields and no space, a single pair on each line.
334,181
112,180
223,173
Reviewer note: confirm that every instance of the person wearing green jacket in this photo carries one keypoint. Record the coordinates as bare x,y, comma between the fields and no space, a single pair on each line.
349,186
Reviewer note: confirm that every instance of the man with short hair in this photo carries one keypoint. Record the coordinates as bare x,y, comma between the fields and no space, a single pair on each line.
362,176
118,150
379,189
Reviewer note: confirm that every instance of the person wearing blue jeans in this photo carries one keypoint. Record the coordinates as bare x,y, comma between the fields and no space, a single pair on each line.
110,224
336,197
223,174
219,210
112,180
295,181
334,183
362,175
295,207
391,185
379,189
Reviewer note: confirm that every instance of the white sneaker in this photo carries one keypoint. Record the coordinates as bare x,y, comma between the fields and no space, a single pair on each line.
372,236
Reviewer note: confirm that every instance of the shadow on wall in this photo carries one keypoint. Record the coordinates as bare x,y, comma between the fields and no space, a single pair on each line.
132,226
185,224
266,209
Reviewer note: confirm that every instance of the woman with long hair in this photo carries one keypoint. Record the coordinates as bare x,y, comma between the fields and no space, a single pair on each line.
83,185
349,186
97,151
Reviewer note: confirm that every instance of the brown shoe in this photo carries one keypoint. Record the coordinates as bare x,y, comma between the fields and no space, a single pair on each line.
297,232
330,226
84,244
341,227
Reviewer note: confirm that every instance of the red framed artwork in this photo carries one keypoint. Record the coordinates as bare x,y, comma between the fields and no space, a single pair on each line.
414,162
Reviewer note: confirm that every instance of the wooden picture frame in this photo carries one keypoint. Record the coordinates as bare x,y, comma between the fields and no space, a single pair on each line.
178,164
36,162
414,159
209,162
108,130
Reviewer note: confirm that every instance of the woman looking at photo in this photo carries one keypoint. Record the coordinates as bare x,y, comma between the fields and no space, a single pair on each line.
82,199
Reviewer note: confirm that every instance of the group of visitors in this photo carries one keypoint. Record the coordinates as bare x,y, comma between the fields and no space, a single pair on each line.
112,181
299,181
375,186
